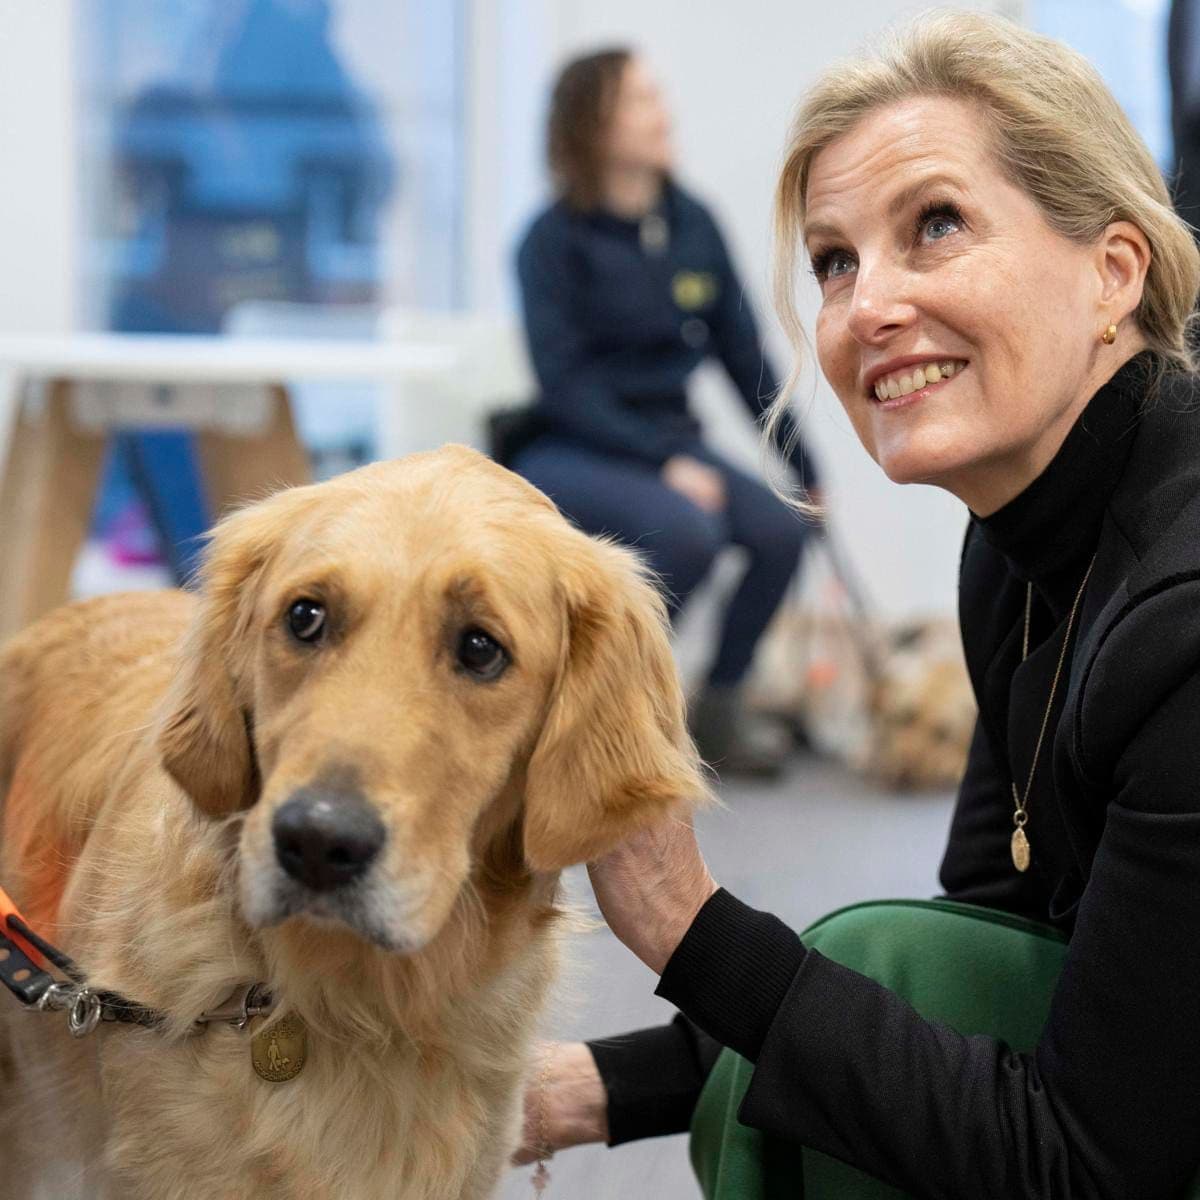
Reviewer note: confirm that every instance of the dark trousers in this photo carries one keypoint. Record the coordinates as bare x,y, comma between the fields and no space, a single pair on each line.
623,497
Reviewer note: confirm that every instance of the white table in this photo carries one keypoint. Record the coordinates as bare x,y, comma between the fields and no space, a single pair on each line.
62,396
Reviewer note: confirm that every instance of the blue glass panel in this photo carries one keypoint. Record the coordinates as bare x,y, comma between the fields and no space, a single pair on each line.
242,151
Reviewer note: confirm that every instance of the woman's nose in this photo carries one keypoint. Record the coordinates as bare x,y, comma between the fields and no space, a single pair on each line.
881,305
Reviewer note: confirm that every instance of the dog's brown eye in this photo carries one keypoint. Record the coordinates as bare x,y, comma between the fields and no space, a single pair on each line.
306,620
481,654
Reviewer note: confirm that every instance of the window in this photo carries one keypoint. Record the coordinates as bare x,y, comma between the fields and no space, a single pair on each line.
1126,40
263,150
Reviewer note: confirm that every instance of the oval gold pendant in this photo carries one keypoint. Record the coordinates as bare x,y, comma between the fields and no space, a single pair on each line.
279,1051
1020,850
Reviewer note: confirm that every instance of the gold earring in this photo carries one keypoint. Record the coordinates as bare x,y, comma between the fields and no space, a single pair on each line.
1109,335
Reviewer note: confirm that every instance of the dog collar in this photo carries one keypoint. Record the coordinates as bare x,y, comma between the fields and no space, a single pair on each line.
24,955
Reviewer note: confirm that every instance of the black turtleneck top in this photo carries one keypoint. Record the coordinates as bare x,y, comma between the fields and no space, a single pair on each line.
1108,1105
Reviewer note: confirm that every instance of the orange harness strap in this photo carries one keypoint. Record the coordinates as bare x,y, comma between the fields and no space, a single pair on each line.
8,910
22,964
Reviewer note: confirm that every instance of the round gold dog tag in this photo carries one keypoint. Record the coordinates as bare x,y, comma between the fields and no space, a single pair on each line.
279,1051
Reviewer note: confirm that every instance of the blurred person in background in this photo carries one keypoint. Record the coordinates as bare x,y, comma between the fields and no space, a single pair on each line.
1005,294
627,286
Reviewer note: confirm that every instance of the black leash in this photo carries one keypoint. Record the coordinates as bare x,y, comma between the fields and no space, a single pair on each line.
863,617
36,988
22,972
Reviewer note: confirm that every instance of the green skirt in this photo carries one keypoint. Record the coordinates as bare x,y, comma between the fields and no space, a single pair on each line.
976,970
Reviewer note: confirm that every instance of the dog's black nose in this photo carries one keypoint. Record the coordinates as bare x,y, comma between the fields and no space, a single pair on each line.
326,839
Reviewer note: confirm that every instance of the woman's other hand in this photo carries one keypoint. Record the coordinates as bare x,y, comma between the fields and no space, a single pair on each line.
651,887
565,1103
701,484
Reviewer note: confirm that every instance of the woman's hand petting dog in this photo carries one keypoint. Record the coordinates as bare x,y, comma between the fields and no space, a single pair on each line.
651,887
565,1104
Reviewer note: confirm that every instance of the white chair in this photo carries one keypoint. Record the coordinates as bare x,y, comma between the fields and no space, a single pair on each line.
494,372
335,420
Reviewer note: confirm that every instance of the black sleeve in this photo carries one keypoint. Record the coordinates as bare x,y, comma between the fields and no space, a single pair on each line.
738,345
575,395
1107,1106
653,1078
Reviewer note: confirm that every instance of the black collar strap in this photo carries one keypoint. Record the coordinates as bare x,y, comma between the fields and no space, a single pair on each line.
23,954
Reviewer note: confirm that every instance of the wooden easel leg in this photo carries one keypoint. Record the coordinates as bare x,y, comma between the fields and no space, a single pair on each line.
240,469
46,500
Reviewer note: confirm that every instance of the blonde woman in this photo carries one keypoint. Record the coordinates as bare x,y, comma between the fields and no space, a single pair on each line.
1004,294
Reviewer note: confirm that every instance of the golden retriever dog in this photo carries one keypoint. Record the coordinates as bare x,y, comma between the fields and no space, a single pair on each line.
922,708
903,715
350,768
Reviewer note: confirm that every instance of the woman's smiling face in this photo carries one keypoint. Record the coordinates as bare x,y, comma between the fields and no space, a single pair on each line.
929,258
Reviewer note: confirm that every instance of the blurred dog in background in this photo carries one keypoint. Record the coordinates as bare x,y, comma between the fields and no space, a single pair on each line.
893,702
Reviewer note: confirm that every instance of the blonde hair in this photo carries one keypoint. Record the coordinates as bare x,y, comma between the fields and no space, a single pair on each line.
1058,133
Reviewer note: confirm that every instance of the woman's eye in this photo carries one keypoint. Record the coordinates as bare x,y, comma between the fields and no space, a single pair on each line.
937,226
306,620
840,264
831,264
480,654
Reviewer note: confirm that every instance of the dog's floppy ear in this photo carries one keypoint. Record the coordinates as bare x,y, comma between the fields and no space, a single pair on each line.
614,753
205,738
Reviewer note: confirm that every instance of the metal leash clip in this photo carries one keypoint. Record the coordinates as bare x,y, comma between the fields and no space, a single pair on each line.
58,997
85,1013
81,1004
245,1002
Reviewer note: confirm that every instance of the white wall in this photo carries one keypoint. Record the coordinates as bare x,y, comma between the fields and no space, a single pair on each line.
732,69
512,48
39,210
733,73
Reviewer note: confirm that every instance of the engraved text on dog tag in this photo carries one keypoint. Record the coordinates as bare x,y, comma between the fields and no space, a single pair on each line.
279,1051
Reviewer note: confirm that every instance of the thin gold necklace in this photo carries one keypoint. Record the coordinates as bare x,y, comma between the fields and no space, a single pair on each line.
1021,849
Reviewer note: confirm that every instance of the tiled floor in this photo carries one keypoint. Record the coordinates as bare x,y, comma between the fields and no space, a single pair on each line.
816,840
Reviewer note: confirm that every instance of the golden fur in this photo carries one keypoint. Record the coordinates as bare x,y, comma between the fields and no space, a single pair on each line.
146,741
908,726
922,710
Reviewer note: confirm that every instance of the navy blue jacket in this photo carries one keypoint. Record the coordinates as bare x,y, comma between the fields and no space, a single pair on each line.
617,323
